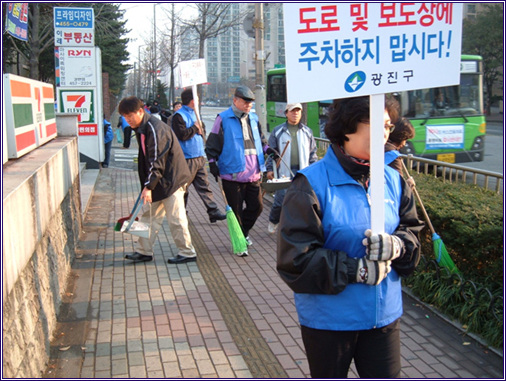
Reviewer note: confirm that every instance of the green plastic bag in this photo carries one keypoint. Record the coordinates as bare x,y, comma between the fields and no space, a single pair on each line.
119,136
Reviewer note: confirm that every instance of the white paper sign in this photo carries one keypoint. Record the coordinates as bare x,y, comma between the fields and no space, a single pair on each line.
341,50
76,66
192,72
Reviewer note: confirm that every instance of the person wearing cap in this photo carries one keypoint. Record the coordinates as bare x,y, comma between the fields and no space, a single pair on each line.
300,151
235,149
189,132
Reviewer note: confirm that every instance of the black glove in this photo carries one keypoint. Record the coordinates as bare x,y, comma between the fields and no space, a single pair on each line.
213,168
273,153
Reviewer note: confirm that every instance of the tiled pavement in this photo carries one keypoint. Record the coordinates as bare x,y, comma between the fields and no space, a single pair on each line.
221,317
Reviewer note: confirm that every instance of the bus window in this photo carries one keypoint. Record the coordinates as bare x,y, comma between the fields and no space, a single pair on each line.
276,88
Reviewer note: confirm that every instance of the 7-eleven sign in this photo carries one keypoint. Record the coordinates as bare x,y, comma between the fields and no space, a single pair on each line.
78,102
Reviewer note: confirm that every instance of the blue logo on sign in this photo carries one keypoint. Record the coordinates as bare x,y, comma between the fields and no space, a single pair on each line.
355,82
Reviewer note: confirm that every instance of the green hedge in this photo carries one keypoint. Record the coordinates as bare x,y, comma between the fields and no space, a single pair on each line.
469,220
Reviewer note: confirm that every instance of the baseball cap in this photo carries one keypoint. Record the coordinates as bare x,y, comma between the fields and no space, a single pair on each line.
291,106
244,93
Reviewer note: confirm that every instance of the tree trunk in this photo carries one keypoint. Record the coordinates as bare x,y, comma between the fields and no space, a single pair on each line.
35,41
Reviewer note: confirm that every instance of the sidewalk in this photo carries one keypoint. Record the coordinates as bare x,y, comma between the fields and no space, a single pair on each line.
221,317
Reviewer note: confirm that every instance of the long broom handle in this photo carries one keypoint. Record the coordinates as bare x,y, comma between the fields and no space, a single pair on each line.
222,191
419,199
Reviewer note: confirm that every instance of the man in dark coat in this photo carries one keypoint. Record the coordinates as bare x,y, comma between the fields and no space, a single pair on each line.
164,175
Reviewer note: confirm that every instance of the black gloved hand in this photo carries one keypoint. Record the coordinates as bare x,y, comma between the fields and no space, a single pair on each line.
213,168
272,152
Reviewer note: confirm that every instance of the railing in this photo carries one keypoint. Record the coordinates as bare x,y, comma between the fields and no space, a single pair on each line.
449,172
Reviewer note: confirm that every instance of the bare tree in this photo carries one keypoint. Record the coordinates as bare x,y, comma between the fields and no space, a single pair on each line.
212,19
171,49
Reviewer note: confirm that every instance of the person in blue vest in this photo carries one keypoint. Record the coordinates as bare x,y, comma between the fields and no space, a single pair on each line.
235,149
346,279
190,134
108,137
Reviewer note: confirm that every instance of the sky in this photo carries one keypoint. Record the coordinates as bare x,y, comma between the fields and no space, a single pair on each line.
139,18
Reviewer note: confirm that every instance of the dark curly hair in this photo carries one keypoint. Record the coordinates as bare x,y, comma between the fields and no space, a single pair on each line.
346,114
404,130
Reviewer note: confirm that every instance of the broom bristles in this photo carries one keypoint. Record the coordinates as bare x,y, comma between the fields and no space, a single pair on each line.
442,256
239,244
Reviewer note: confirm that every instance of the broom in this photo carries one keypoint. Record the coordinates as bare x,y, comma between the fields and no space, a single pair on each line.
120,221
239,244
442,256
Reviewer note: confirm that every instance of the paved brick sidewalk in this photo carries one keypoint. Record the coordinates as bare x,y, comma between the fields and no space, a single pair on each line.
222,317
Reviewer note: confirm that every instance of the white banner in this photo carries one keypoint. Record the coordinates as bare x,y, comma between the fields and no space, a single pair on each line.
340,50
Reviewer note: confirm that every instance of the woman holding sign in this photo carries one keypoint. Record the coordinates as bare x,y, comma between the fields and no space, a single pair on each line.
347,280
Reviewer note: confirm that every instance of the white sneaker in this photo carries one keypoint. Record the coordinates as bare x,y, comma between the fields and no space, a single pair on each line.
243,254
249,242
272,228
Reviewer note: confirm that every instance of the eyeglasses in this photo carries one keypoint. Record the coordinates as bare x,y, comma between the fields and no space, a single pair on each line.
390,127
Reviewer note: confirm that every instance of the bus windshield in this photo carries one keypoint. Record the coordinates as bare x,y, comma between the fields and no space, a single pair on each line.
461,100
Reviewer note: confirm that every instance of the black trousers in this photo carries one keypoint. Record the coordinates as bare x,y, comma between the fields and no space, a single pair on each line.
377,352
237,195
127,134
201,183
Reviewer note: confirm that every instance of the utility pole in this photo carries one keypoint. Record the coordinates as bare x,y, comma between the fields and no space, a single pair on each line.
154,48
260,102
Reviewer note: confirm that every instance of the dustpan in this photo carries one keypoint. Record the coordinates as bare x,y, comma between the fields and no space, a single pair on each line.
138,228
120,221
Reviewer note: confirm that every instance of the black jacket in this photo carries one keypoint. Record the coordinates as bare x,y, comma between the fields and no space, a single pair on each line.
162,167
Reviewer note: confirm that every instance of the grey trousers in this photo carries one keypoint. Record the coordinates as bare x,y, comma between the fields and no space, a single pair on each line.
201,183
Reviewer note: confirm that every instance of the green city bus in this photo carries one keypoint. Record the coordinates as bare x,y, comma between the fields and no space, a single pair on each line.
449,121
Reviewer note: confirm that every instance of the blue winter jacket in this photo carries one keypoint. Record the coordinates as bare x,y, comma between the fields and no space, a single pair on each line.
108,134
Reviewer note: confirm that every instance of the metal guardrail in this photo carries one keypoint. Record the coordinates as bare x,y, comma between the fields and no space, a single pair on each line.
447,171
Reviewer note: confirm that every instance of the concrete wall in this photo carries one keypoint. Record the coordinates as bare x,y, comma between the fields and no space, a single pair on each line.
41,225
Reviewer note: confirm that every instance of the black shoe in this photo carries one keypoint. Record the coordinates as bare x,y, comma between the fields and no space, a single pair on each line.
216,216
139,257
181,259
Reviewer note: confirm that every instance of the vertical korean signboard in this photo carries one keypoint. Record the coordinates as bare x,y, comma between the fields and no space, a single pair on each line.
342,50
79,78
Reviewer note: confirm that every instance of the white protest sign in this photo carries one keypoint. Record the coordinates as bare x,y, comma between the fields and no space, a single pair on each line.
193,73
341,50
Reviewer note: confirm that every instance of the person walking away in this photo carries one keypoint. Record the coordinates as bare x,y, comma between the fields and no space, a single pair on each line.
155,112
235,149
108,138
127,131
163,174
190,134
347,280
299,153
